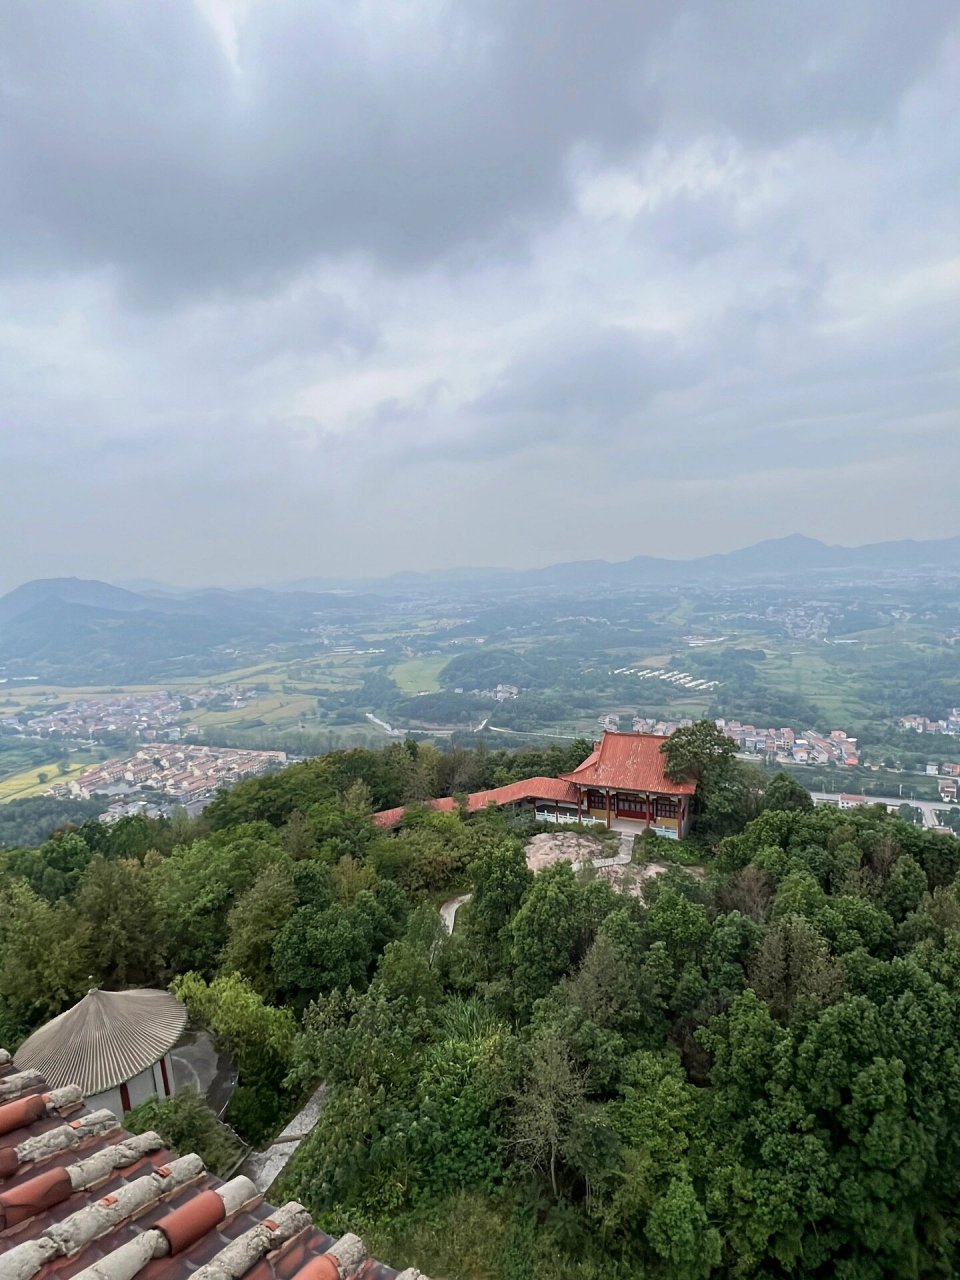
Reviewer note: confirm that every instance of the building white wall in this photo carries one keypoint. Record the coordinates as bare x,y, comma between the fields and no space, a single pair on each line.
141,1087
110,1100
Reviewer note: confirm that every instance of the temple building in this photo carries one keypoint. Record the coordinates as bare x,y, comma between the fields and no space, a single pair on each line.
624,778
622,783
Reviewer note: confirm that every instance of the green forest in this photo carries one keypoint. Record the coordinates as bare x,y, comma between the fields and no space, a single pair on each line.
749,1072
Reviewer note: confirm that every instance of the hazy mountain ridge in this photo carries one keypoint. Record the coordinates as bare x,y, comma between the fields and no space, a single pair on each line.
82,591
778,556
76,631
795,554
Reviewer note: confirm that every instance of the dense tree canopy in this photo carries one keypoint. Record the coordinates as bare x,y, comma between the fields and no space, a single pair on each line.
753,1070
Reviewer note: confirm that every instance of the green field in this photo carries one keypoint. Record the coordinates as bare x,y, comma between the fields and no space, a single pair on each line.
817,676
419,675
271,708
19,786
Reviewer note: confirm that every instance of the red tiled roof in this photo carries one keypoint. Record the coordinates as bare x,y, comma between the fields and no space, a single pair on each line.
629,762
553,789
78,1193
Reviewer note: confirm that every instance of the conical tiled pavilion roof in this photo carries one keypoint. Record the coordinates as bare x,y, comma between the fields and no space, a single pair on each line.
105,1039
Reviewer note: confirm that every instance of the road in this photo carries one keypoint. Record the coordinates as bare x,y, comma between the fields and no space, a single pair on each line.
928,807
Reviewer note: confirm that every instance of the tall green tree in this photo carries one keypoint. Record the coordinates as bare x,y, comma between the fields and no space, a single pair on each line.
117,904
42,954
547,935
253,924
547,1106
728,793
259,1038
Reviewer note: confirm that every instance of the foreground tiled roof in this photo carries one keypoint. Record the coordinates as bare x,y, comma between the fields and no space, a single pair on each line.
552,789
80,1197
629,762
106,1038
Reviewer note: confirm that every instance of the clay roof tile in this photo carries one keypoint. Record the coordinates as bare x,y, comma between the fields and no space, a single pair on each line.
85,1199
630,762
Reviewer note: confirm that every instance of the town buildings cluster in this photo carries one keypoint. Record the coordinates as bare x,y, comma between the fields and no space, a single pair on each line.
786,745
922,724
499,693
130,713
150,716
183,774
783,745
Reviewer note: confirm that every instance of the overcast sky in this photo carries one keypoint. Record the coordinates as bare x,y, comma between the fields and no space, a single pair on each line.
294,287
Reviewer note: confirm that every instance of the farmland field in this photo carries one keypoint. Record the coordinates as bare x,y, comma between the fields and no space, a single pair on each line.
271,708
419,675
18,786
817,656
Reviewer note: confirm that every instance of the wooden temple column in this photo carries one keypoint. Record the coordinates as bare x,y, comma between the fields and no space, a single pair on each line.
608,810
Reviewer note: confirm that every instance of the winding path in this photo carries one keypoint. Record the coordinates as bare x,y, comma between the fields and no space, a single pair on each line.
448,912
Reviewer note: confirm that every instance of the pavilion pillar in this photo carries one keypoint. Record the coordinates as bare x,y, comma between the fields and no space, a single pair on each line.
579,804
649,802
608,810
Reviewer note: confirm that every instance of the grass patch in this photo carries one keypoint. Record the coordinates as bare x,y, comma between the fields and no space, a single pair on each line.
419,675
469,1236
465,1238
270,708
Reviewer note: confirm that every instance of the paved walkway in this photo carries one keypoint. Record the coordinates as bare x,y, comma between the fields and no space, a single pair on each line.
198,1065
448,912
263,1168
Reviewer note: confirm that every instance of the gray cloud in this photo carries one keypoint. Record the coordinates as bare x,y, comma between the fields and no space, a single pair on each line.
132,141
373,272
809,66
607,374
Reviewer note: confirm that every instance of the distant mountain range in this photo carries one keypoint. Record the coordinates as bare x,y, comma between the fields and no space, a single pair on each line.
775,557
76,631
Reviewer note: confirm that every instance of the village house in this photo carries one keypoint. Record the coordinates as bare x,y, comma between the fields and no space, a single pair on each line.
852,802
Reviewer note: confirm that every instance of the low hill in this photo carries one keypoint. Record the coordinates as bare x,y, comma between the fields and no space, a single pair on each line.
97,595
